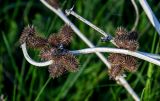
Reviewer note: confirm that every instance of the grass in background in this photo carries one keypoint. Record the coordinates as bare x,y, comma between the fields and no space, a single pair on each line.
21,81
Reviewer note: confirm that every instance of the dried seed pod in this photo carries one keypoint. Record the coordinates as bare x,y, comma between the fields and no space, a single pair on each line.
64,58
53,3
46,54
70,62
133,35
65,35
51,53
63,63
27,33
36,42
32,40
56,70
132,45
121,31
54,40
130,63
116,70
121,40
116,58
121,37
121,62
126,40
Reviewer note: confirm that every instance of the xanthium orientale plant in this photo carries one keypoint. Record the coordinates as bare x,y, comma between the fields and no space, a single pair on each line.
53,48
123,58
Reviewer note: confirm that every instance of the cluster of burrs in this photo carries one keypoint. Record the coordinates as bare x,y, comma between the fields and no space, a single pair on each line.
52,48
120,62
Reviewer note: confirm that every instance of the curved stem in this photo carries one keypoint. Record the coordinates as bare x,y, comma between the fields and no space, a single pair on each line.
27,57
137,15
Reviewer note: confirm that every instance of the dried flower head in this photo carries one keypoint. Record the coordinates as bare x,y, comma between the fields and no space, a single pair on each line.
121,62
132,45
133,35
54,3
57,53
65,34
63,37
37,42
121,31
127,62
62,62
70,62
116,70
130,63
29,37
54,40
116,58
47,54
27,33
52,49
126,40
56,70
66,59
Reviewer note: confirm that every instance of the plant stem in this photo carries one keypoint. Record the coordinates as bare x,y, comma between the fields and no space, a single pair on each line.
44,86
137,15
92,50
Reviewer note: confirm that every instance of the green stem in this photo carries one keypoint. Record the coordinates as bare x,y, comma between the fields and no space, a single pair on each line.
42,89
147,90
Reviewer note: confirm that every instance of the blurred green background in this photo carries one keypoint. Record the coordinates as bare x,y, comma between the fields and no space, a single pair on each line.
20,80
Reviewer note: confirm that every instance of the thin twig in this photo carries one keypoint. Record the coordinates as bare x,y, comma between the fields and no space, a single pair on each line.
70,11
66,20
137,15
150,15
